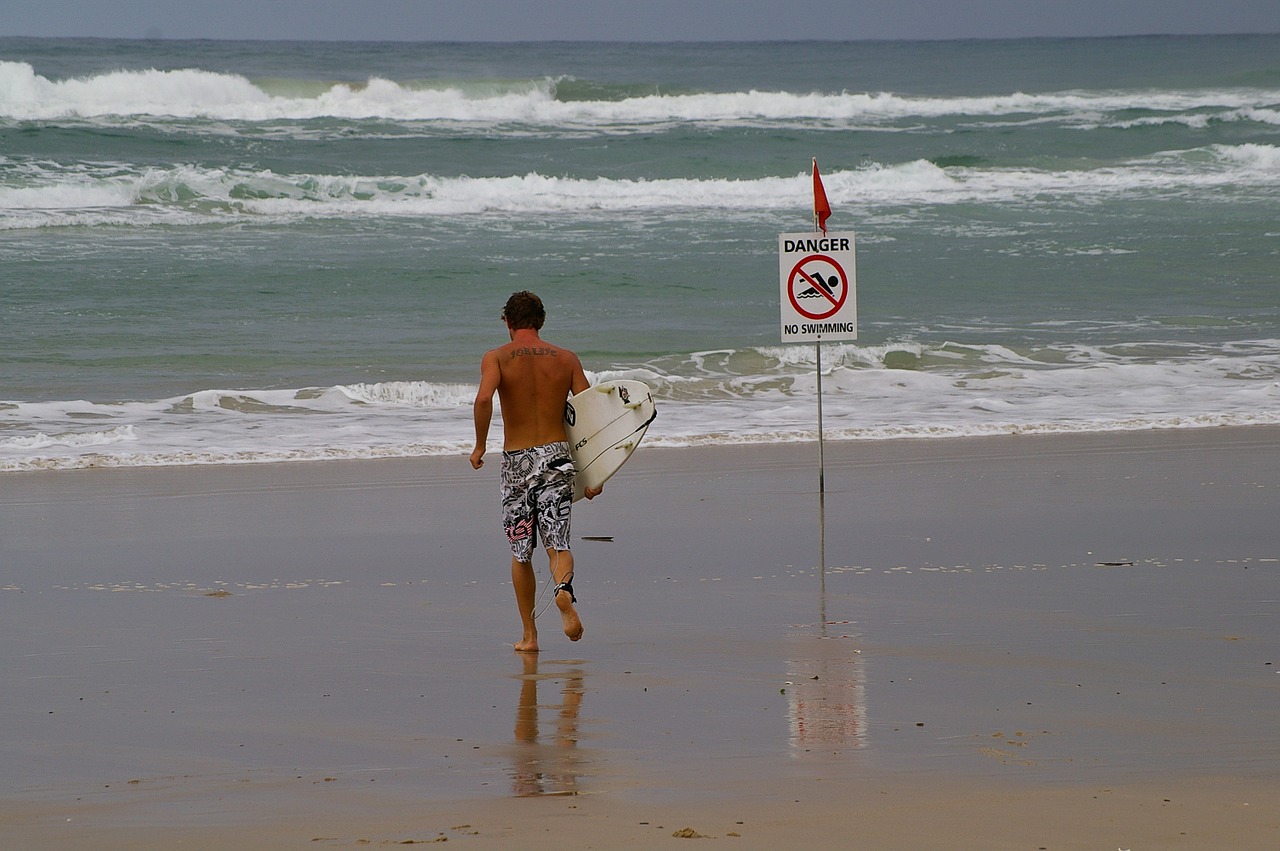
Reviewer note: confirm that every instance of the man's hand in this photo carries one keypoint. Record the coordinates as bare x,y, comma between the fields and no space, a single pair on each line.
477,458
592,493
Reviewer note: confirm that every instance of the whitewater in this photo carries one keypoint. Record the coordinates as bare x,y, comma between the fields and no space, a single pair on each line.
870,393
195,93
48,194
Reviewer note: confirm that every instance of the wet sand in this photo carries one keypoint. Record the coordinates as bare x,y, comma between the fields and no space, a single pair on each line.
1021,642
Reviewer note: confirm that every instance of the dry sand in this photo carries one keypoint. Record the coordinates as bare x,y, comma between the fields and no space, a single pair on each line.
1022,642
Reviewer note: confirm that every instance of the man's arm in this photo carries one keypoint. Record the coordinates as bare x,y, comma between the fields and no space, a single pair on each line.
482,410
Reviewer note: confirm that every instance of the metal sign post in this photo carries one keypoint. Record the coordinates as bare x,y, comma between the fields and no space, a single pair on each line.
822,478
818,303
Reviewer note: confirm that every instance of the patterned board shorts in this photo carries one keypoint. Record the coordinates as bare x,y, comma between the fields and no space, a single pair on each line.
537,490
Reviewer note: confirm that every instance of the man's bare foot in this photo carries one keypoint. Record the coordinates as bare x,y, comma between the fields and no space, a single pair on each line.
569,615
527,645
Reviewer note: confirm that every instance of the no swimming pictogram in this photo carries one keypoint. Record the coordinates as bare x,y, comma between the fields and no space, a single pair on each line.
818,287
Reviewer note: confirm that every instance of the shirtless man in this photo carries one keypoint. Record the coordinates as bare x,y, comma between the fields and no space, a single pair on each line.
533,378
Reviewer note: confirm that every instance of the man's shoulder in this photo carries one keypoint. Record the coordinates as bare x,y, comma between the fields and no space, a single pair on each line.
563,350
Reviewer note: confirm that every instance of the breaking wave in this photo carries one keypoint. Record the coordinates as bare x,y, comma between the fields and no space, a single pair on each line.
43,194
565,102
731,396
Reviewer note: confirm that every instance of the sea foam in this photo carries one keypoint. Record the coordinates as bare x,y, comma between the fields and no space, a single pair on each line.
47,194
728,396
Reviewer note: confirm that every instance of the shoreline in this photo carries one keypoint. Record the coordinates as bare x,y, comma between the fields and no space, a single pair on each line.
1030,641
174,459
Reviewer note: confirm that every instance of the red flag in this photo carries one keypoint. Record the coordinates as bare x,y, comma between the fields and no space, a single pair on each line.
821,208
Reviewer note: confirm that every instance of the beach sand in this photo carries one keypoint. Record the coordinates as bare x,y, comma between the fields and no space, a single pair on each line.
1018,642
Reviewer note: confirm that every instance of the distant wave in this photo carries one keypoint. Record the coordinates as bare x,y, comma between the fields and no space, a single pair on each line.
37,194
571,104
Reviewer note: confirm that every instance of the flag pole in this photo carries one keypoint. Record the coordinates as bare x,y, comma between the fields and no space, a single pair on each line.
821,210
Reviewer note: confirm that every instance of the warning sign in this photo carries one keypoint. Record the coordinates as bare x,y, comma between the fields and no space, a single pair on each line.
816,274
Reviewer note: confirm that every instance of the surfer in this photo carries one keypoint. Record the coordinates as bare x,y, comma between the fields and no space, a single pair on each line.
533,378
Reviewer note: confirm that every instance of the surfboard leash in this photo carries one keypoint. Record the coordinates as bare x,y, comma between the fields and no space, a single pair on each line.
539,606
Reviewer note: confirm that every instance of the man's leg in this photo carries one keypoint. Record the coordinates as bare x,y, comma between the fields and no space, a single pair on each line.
562,571
526,585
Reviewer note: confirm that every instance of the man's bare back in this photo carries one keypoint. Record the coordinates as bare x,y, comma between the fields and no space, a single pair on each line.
533,378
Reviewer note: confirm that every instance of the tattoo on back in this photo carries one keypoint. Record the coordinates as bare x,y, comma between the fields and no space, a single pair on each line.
534,350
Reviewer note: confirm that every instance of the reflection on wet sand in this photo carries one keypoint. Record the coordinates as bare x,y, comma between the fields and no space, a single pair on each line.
554,767
826,700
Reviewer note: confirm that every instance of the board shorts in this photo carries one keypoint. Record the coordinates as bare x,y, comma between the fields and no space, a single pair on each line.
537,490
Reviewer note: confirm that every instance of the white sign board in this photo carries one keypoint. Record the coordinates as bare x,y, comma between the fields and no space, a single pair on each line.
816,278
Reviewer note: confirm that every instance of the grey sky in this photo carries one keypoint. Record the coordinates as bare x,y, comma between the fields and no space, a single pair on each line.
638,20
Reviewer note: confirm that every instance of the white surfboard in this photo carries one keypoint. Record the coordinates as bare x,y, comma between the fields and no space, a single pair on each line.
605,423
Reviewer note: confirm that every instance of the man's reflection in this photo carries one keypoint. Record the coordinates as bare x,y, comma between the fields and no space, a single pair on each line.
547,769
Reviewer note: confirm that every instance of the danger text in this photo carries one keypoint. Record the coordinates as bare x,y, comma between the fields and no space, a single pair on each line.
816,245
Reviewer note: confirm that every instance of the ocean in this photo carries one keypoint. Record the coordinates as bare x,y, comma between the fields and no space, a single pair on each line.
231,252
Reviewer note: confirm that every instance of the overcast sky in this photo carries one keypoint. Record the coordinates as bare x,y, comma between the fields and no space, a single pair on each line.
630,20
